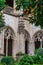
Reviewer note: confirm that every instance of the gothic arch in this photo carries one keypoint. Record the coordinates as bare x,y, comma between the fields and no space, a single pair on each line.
9,28
26,35
39,31
9,37
38,39
27,41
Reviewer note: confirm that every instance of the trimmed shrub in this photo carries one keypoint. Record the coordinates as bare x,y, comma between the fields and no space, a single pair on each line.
40,51
2,64
26,60
8,60
41,60
40,54
17,63
36,59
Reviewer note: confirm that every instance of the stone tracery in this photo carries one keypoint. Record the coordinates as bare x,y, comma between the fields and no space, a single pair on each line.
39,36
27,41
9,33
38,39
8,41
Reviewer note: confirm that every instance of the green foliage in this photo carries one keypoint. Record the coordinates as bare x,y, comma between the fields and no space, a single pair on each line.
25,3
2,4
8,60
41,60
37,19
26,60
37,64
20,53
2,23
17,63
40,52
35,52
2,64
38,59
36,6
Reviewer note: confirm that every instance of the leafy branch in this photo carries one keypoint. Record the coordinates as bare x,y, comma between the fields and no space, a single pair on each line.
36,9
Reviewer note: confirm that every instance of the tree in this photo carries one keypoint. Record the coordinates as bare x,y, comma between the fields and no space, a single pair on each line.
2,23
35,8
37,17
2,5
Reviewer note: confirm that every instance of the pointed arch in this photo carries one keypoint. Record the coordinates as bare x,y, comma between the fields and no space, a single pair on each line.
27,35
38,33
38,38
9,28
9,37
27,41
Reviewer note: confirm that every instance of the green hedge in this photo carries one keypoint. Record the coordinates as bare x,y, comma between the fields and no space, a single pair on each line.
26,60
37,64
40,52
8,60
2,64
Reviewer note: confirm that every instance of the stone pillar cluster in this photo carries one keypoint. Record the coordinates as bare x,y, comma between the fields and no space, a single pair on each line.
21,34
21,25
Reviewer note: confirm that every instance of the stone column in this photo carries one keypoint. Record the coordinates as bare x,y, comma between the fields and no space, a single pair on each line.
21,43
41,43
31,47
14,6
21,34
14,48
7,47
2,42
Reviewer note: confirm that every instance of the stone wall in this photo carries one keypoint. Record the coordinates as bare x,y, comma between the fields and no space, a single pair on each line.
19,39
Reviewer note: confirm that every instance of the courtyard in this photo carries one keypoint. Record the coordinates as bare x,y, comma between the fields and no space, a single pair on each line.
21,32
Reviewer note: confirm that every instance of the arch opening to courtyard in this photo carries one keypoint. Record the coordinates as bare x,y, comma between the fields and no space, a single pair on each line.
27,41
38,39
9,37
